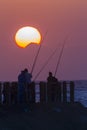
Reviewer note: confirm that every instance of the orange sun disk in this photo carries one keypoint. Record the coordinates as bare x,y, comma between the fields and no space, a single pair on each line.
27,35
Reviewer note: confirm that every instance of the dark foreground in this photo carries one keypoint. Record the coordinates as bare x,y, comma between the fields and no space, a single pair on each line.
52,116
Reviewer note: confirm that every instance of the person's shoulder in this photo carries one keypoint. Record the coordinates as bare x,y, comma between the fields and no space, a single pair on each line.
29,74
19,75
55,79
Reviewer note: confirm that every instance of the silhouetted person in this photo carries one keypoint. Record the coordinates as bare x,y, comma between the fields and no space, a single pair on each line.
52,82
51,78
21,87
28,77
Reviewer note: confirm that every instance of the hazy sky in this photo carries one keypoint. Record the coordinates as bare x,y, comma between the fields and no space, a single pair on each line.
60,18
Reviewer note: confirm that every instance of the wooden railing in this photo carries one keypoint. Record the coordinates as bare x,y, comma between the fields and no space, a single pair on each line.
48,92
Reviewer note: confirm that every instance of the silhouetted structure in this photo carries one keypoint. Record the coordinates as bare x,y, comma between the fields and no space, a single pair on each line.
72,85
13,90
64,92
49,92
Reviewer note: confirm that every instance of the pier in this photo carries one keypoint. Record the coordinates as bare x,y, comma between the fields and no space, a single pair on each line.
47,92
52,111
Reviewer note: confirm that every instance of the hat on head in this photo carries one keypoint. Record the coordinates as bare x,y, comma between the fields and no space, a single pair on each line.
26,70
50,73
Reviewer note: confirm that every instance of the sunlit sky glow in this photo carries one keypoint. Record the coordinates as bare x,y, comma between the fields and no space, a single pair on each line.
60,18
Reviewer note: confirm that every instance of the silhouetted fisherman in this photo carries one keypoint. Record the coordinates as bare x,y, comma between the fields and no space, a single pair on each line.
51,78
21,87
52,83
28,77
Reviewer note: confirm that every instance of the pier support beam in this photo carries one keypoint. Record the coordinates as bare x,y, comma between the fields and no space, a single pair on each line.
0,93
72,91
64,92
6,92
43,92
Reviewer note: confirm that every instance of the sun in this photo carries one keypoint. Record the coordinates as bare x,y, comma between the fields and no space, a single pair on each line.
27,35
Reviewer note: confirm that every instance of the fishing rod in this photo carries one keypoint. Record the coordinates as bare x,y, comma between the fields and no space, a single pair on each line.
60,56
49,58
38,53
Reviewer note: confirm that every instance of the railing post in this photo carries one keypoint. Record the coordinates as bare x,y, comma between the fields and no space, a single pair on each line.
72,91
59,92
52,91
43,96
32,92
64,92
49,92
6,92
14,92
0,93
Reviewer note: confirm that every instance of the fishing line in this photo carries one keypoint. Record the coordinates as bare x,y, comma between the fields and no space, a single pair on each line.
38,53
49,58
60,56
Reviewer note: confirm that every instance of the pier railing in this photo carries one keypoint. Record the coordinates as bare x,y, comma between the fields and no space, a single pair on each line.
48,92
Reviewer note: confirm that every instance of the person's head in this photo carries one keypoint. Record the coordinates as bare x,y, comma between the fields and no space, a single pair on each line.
26,70
50,73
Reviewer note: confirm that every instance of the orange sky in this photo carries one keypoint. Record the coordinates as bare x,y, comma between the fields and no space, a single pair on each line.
59,17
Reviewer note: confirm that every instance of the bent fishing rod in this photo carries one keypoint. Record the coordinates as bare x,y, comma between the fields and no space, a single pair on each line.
38,53
49,58
60,56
